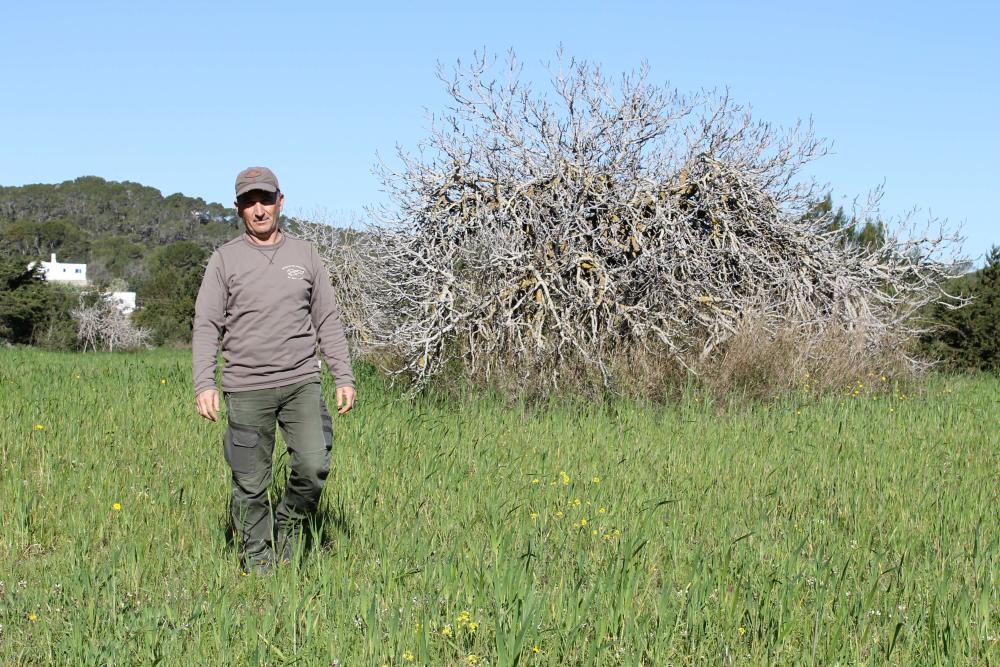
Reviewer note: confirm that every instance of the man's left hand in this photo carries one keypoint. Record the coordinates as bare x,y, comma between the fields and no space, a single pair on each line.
345,399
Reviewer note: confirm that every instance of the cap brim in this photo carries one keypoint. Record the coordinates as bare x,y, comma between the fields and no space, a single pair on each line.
266,187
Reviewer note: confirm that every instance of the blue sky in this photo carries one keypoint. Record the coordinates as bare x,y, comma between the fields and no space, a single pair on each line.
181,97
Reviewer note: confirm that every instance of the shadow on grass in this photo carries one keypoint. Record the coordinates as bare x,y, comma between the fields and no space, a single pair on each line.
322,531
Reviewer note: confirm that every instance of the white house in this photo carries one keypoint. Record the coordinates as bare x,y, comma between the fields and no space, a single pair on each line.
124,301
77,274
70,273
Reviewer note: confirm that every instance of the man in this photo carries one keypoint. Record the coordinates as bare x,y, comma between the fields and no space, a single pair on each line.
268,297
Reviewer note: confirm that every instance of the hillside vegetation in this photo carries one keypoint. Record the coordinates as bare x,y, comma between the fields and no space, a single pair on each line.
110,226
130,236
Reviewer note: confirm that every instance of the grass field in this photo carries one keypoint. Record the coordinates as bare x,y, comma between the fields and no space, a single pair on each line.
853,529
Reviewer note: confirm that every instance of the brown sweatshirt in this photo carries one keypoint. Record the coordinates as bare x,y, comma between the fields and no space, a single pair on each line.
270,305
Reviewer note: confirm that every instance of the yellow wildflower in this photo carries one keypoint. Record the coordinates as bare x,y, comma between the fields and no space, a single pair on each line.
535,481
596,480
473,626
446,631
463,618
602,510
743,631
583,522
32,617
472,659
407,656
576,502
536,649
565,477
117,507
162,381
534,515
39,427
559,514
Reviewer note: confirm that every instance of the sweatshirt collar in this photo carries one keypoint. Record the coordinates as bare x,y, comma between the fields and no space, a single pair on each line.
265,248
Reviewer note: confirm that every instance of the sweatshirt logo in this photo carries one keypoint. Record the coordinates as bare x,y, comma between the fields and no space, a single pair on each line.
294,271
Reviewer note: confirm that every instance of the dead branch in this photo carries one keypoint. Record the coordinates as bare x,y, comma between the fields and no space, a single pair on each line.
605,216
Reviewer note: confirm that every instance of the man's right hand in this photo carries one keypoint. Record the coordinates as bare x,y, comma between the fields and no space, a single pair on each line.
207,404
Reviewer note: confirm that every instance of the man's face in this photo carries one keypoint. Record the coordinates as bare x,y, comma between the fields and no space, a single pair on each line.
259,211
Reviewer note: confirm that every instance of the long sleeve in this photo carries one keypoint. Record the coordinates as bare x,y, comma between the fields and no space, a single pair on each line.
209,319
329,326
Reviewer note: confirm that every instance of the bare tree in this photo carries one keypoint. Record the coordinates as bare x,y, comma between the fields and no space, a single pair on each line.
102,325
531,231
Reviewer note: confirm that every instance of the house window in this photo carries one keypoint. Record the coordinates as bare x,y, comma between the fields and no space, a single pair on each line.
79,271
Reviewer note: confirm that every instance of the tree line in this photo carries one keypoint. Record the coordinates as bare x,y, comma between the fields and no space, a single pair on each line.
132,237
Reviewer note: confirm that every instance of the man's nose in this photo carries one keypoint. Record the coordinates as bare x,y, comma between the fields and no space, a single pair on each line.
258,210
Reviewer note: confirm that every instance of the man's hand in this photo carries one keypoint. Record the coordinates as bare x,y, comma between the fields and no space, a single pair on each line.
207,404
345,399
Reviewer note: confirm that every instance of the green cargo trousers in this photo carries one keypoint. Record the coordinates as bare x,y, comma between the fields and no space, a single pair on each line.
300,411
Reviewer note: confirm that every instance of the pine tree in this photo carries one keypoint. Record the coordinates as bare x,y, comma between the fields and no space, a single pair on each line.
970,336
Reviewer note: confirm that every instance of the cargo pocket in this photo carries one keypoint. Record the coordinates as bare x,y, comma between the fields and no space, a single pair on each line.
240,445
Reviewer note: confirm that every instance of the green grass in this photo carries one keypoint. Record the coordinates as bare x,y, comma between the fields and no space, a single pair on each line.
835,530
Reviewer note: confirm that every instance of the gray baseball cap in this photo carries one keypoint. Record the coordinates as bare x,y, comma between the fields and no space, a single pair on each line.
256,178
